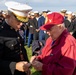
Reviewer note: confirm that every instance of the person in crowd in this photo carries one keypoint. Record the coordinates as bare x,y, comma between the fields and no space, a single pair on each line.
13,56
31,29
36,31
26,31
74,25
58,56
2,17
41,21
63,13
69,23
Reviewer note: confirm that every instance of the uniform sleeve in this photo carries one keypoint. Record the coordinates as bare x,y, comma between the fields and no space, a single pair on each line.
64,66
7,67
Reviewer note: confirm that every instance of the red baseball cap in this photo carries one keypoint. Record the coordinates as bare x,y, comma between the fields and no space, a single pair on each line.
53,19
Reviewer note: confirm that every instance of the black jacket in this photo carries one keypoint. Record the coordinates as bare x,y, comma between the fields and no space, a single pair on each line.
69,25
74,31
31,26
36,34
11,47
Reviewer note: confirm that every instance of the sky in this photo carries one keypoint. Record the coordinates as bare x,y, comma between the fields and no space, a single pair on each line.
40,5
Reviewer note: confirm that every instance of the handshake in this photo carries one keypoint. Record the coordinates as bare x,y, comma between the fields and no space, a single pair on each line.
24,66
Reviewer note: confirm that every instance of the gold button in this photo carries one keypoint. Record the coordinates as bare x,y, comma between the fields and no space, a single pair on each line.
12,45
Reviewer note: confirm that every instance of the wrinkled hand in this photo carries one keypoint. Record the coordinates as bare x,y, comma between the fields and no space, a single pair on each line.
33,58
37,65
71,33
22,66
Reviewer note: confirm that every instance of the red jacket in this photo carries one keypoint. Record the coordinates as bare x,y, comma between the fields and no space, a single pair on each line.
59,58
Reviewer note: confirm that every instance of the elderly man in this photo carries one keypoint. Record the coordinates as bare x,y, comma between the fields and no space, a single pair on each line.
13,56
59,54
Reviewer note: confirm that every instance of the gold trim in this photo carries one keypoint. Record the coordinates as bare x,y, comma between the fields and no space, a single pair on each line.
21,18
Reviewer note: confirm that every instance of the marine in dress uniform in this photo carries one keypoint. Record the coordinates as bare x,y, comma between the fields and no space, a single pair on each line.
13,56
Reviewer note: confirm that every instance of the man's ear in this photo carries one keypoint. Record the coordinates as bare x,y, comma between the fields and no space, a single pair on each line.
7,16
60,26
